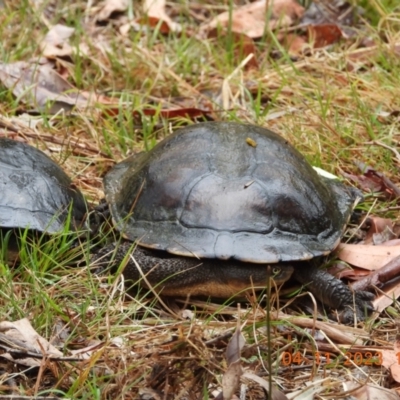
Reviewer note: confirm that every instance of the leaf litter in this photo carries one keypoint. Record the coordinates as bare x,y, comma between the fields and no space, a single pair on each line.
55,43
168,357
40,86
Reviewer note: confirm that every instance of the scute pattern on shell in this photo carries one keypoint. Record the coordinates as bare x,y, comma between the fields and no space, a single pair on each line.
35,192
204,191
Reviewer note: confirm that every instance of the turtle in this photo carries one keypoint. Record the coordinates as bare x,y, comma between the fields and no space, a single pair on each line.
217,207
35,193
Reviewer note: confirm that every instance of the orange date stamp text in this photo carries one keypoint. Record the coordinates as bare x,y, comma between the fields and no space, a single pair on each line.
349,359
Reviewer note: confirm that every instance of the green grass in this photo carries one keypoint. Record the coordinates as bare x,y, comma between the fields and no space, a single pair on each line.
136,342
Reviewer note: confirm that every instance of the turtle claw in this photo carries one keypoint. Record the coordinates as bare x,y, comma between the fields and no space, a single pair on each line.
358,308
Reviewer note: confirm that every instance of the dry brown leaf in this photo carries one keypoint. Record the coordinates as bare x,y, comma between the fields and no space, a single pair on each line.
395,366
155,11
393,242
341,271
250,19
374,181
380,230
199,102
367,256
168,113
385,260
293,43
234,347
370,391
324,35
55,42
231,380
22,333
42,88
390,360
381,302
387,279
110,7
37,85
178,112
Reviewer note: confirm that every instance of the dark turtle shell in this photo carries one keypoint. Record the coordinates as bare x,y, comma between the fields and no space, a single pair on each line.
228,191
35,192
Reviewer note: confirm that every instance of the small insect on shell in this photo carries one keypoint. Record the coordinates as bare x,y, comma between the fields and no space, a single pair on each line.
248,184
251,142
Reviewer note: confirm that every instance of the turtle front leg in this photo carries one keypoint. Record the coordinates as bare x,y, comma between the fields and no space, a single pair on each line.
334,293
